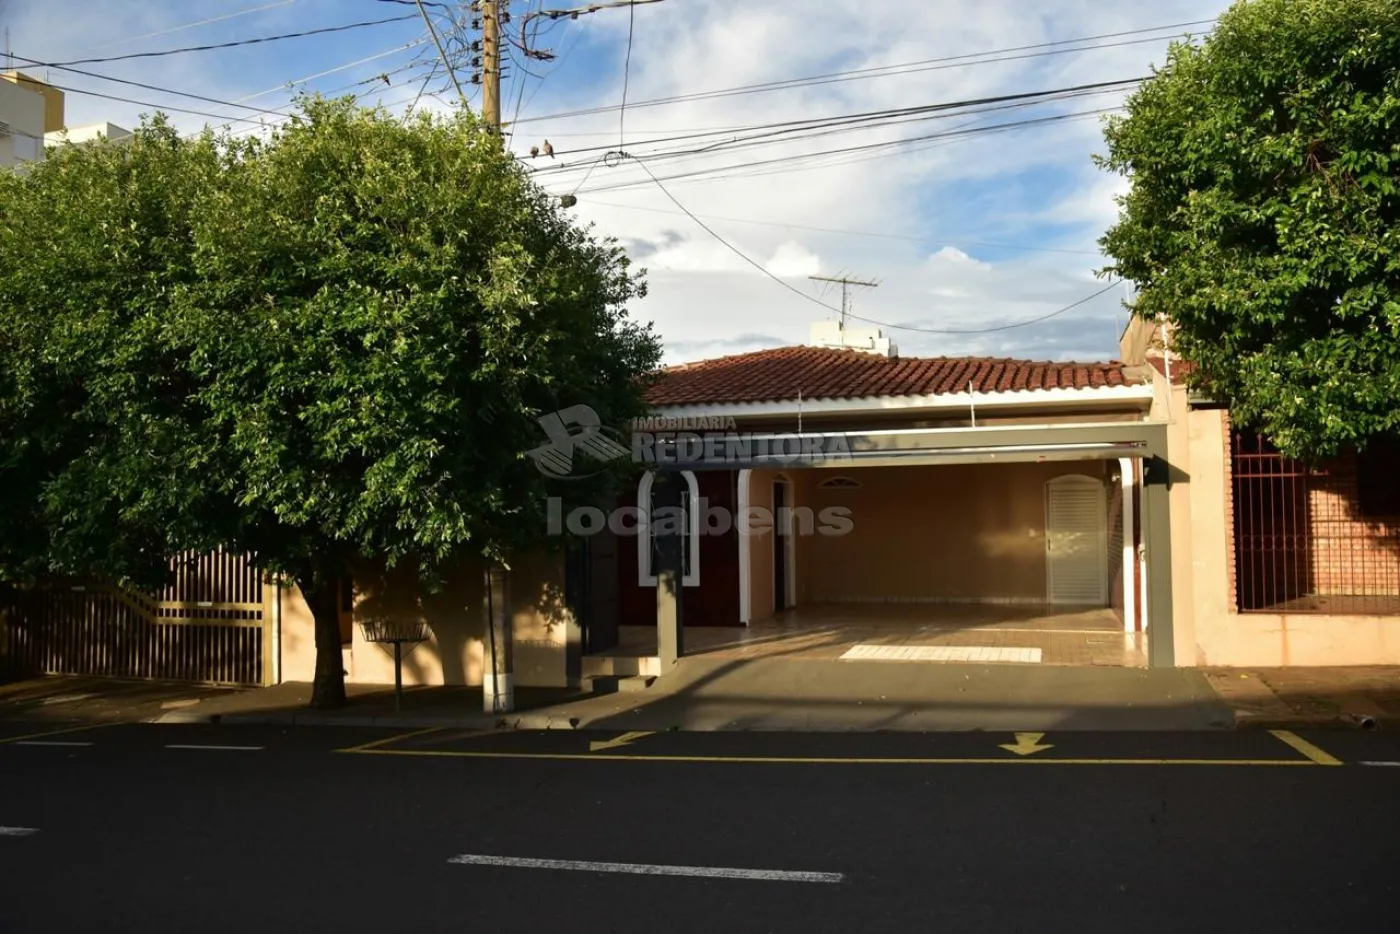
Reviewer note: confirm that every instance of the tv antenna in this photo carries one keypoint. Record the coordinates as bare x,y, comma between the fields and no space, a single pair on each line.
845,282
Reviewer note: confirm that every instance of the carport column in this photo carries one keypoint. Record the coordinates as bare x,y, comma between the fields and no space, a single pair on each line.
669,494
497,683
1157,540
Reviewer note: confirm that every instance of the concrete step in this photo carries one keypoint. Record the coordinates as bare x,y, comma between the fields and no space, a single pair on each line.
621,666
608,684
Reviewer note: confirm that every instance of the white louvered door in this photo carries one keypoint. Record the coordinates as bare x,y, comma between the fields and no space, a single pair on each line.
1076,541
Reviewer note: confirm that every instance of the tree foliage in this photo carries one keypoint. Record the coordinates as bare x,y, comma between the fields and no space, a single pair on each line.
331,345
1263,217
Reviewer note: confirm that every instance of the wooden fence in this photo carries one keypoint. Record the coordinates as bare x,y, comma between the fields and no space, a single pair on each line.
209,626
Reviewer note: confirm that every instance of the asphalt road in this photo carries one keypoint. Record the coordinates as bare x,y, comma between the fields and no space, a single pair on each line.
282,830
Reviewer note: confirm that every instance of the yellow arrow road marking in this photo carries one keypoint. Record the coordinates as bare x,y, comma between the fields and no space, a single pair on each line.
1026,744
622,740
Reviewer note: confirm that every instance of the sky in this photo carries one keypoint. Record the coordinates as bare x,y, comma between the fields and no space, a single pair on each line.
981,231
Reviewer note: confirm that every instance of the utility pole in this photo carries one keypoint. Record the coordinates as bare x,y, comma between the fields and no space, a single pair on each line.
491,62
846,284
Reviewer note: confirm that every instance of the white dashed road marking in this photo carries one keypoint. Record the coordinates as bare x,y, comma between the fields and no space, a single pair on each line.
40,742
1397,764
645,869
17,831
236,748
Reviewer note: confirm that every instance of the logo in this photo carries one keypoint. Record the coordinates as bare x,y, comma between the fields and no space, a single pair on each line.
575,430
578,432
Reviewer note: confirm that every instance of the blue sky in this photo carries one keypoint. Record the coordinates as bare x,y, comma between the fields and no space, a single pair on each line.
982,231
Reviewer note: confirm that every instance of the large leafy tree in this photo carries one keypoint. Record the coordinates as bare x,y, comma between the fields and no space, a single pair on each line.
329,346
1263,217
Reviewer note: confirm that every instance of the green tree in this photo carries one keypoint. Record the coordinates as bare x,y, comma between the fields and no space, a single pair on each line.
329,346
1263,217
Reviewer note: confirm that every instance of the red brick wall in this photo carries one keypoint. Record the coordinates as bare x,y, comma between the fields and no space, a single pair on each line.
1351,555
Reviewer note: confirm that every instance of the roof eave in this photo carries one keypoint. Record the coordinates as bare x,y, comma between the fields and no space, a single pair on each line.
1056,398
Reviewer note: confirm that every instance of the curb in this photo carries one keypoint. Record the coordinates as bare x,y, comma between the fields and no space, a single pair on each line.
483,721
1246,721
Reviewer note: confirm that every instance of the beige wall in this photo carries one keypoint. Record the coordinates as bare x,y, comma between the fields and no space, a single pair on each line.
962,532
51,116
456,652
1205,616
1186,499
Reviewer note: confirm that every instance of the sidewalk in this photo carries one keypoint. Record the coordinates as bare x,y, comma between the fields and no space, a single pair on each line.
1315,698
66,699
706,694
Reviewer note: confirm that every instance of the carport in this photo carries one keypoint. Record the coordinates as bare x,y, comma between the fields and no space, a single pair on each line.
847,452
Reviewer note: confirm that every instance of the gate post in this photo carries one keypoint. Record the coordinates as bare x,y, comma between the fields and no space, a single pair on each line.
669,494
1157,539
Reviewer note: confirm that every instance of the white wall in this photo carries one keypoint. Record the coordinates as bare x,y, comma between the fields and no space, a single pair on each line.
23,111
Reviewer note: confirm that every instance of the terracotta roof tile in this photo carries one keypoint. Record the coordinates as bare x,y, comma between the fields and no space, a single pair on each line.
829,373
1180,368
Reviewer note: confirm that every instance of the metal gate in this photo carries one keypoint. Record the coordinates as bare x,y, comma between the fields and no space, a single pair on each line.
209,626
1076,541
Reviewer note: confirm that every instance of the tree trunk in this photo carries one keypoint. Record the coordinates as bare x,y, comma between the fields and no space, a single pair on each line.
328,690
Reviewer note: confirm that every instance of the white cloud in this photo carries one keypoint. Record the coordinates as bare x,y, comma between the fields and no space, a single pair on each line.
946,225
969,197
792,260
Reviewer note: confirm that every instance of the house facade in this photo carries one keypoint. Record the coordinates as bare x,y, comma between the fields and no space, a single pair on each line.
960,482
850,489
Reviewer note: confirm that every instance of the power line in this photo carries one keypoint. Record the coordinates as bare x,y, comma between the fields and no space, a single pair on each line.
148,87
421,88
559,63
872,118
286,85
158,107
849,233
992,330
731,247
330,71
626,71
950,134
843,311
182,28
239,42
952,61
520,91
446,64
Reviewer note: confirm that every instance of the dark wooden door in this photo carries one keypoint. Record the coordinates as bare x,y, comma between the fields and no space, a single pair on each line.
715,601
